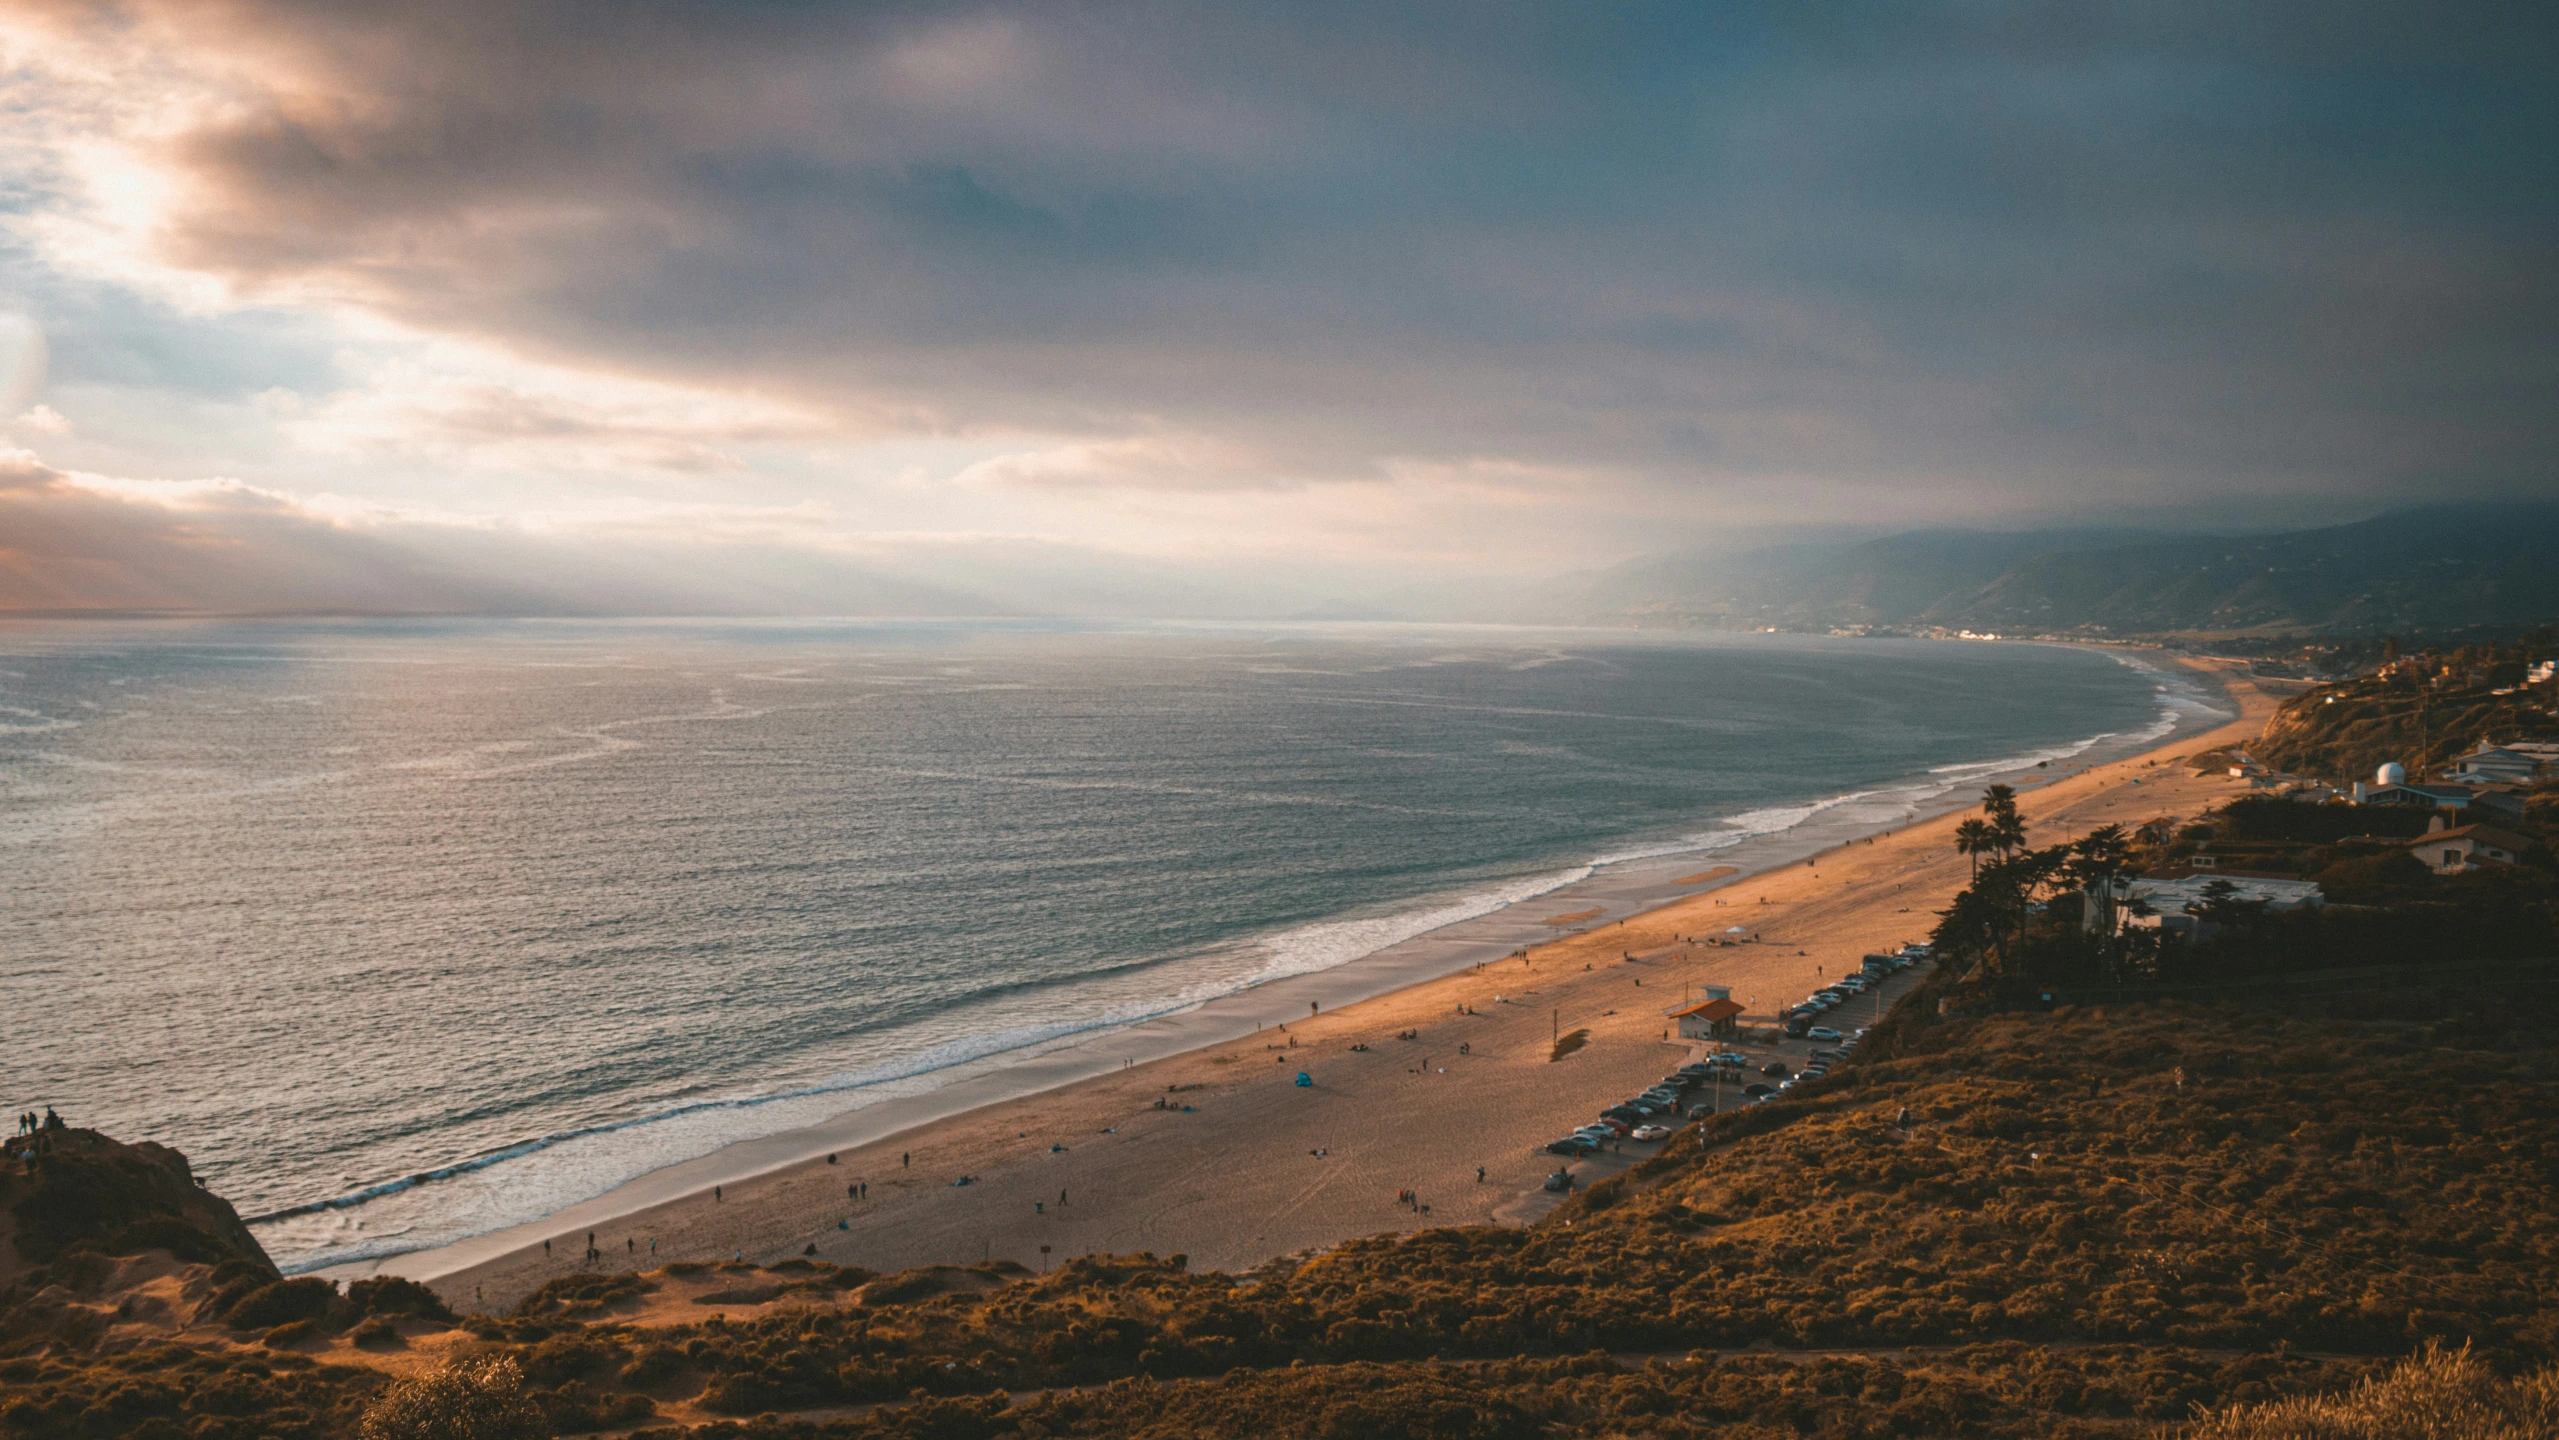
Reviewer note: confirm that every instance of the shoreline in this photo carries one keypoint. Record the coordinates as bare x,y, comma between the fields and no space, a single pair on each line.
1394,978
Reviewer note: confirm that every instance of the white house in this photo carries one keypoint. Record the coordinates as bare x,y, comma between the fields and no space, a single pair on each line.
2168,902
2497,765
2467,847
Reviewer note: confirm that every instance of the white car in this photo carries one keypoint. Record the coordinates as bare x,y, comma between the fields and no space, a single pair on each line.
1821,1032
1649,1132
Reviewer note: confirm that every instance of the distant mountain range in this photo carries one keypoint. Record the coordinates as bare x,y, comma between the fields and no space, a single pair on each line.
2440,567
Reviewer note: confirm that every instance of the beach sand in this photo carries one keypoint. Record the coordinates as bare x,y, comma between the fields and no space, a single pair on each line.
1246,1166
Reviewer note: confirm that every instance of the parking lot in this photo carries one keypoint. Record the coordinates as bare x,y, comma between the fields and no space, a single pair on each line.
1719,1075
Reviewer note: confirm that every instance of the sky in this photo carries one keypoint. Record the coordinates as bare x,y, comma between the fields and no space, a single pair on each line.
793,307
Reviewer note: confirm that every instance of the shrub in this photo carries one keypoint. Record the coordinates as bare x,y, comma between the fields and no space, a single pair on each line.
284,1300
393,1295
474,1398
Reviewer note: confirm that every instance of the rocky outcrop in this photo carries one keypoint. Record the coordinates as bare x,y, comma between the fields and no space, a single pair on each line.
67,1192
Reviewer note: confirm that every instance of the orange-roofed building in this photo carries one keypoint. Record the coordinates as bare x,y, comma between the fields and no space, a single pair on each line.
1718,1019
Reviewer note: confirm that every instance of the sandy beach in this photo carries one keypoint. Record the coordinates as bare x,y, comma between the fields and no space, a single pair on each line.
1218,1155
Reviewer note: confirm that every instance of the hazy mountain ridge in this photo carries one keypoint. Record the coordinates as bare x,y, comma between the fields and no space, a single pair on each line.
2433,568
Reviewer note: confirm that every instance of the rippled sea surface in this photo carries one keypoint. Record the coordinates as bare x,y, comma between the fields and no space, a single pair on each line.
529,908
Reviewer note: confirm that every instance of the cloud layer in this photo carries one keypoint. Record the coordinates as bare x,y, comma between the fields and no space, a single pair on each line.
1386,285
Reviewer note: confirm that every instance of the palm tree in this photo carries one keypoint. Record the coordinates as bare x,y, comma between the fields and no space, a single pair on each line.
1976,839
2007,827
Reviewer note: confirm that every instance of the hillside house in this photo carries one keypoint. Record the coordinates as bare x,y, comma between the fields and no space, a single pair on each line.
2498,765
2167,901
2439,795
2468,847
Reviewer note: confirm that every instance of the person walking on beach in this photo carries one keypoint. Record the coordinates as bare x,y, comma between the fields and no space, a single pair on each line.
546,1249
715,1193
902,1158
1061,1195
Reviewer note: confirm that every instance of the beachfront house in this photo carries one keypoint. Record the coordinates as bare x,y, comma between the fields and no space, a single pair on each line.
1716,1019
2468,847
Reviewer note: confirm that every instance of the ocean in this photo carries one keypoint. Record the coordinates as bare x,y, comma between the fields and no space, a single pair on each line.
408,931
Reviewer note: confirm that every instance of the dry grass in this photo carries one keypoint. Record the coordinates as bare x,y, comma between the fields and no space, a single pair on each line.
2097,1246
2437,1395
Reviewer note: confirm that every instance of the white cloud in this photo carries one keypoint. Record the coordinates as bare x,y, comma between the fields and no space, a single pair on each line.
450,405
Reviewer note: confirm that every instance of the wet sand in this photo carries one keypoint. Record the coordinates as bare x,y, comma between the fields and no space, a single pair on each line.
1245,1166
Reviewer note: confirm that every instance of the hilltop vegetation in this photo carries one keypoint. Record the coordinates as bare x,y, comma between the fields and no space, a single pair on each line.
2216,1205
2423,710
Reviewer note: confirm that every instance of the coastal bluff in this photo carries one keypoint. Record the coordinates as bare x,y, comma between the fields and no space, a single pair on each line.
67,1193
2075,1221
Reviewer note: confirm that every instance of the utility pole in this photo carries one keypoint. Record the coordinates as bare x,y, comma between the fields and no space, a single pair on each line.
1556,1032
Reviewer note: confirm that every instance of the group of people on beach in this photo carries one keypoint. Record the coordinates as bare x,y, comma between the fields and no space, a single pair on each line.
595,1252
28,1124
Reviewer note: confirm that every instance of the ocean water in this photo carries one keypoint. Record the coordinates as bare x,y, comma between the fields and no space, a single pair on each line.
409,931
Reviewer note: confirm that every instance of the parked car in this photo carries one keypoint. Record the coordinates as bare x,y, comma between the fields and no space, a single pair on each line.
1823,1032
1795,1028
1758,1092
1773,1068
1649,1132
1560,1180
1572,1145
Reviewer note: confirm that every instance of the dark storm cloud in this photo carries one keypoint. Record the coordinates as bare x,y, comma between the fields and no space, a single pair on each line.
2030,256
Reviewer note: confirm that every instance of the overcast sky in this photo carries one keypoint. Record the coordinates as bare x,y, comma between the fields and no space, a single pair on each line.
629,305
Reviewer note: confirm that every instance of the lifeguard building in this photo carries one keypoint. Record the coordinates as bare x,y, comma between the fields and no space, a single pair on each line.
1715,1019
